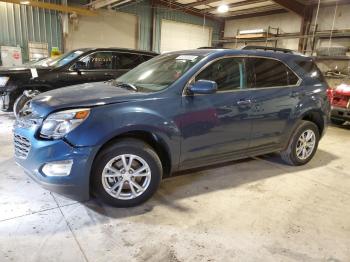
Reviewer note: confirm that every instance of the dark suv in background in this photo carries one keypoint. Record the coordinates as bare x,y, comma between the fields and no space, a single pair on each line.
75,67
177,111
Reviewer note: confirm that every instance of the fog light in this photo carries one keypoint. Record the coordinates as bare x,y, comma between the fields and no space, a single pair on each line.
58,168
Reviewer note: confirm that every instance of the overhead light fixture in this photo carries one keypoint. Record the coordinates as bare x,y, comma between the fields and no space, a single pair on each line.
222,8
25,2
252,31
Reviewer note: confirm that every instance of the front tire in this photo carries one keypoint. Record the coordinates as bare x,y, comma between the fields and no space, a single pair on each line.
302,145
19,103
127,173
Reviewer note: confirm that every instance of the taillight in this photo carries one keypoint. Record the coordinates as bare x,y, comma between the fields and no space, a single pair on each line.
330,94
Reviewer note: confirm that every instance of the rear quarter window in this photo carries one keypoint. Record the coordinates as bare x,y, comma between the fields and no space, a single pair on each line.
310,69
266,72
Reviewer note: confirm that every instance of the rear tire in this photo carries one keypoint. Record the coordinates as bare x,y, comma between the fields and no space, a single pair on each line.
126,173
302,144
337,121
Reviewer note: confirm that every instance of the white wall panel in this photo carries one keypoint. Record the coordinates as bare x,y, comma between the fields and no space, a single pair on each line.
182,36
288,23
341,22
108,29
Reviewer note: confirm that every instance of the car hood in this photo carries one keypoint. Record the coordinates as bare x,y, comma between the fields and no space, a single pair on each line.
21,71
84,95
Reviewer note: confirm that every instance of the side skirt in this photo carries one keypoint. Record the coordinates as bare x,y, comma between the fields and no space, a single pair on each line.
217,159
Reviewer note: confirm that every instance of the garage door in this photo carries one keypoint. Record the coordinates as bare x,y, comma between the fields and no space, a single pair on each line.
108,29
181,36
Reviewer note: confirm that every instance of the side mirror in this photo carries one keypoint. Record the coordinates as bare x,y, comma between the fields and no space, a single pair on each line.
79,65
203,87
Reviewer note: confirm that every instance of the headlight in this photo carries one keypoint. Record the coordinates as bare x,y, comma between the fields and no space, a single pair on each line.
3,80
61,123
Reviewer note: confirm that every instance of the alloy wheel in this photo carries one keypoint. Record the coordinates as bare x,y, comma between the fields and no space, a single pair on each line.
305,144
126,176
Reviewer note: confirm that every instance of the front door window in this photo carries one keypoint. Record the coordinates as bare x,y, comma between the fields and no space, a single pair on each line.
98,60
228,74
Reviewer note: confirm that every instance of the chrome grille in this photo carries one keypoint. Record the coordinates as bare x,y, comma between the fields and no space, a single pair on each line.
26,123
22,146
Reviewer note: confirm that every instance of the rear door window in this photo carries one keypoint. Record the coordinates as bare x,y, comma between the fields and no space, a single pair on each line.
146,58
129,61
264,72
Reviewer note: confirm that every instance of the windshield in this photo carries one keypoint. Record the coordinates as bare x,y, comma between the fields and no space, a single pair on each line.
43,62
159,72
64,59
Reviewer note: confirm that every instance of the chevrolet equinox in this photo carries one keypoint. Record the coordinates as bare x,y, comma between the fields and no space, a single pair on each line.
180,110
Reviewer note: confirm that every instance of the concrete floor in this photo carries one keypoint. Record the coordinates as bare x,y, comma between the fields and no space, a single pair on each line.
252,210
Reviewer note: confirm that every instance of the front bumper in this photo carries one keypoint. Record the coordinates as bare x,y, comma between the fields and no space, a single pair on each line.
75,185
340,113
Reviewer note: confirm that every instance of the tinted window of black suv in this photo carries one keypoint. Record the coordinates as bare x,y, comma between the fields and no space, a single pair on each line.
99,60
129,61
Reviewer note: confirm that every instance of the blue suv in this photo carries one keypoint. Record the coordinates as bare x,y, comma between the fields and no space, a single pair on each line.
177,111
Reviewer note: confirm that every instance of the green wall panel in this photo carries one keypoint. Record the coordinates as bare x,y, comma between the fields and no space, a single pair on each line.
20,24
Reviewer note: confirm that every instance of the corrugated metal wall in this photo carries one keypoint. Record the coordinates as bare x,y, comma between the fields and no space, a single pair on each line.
20,24
144,11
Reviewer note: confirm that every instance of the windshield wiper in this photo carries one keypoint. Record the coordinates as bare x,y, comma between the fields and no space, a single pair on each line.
125,85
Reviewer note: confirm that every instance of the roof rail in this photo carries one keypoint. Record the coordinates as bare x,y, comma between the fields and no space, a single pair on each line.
211,47
266,48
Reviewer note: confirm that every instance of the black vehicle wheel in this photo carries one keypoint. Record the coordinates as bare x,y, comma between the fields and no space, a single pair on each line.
337,121
126,173
302,145
19,103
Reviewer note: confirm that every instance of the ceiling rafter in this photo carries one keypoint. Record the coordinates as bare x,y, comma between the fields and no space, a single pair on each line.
257,14
238,4
186,9
292,5
252,10
56,7
330,2
102,3
204,2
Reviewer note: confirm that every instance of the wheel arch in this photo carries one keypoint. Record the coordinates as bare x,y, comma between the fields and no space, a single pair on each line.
316,117
152,139
312,115
40,87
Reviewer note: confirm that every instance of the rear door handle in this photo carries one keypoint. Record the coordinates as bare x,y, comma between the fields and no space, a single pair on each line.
297,93
244,102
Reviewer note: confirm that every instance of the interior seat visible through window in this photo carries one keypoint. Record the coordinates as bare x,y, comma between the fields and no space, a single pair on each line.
99,60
